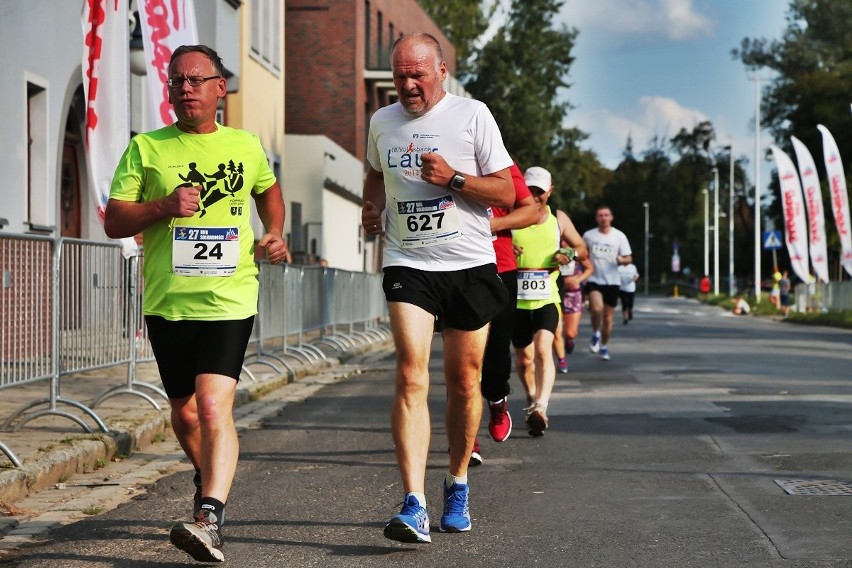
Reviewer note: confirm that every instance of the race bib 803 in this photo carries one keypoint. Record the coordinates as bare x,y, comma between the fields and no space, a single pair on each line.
534,285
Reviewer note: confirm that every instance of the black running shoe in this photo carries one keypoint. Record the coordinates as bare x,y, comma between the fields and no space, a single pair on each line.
475,456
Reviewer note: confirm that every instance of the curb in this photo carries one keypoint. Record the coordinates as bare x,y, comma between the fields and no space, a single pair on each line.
84,455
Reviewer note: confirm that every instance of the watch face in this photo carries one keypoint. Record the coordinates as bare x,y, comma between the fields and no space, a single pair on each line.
457,182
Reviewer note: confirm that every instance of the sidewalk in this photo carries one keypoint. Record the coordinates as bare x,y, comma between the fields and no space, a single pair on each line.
52,448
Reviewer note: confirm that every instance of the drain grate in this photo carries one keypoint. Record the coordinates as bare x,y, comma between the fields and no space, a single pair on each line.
815,486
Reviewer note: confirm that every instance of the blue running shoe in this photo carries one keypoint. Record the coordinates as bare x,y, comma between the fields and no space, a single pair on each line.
604,353
411,524
456,517
595,344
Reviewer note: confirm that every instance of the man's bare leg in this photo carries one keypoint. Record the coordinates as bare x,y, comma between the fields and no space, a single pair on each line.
204,425
606,326
596,309
220,446
412,333
463,352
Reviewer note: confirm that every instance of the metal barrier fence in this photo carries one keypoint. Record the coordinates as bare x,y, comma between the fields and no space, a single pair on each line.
302,308
69,305
819,296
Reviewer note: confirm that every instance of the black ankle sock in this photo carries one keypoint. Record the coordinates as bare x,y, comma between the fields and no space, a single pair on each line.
216,506
196,479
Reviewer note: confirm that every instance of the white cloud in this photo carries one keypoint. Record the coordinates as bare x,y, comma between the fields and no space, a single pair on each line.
675,20
666,116
653,116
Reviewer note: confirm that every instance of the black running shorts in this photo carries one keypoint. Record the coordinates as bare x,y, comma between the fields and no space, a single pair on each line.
185,349
459,299
527,322
609,293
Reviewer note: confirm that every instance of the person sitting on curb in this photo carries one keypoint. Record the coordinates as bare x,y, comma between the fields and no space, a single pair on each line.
741,307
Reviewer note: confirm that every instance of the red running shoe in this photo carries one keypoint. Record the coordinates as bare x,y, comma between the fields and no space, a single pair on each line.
500,423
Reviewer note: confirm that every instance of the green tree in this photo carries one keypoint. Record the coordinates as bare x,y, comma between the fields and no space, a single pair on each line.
521,74
463,22
671,176
812,63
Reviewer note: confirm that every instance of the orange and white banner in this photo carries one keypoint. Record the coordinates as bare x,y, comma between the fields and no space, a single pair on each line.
166,25
106,81
839,197
813,204
795,226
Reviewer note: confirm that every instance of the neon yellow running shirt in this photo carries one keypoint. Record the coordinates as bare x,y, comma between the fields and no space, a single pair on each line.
536,263
200,267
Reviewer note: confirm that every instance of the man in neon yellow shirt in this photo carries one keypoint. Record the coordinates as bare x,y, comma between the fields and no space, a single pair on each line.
185,187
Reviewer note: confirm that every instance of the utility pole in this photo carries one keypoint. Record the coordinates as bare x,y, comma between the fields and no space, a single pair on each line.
706,233
731,284
647,268
715,230
757,215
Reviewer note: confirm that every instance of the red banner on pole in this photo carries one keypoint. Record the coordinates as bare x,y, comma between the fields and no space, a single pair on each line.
166,25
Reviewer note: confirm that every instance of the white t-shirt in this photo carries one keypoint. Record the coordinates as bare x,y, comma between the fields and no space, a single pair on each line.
628,272
429,227
604,250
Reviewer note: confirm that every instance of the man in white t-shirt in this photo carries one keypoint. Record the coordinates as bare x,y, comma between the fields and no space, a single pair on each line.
627,290
608,249
437,163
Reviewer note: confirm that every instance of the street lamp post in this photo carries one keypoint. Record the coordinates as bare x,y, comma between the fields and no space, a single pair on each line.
757,215
715,230
647,267
706,234
731,286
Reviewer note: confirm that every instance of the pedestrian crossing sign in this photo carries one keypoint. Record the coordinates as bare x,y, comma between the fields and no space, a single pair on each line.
772,240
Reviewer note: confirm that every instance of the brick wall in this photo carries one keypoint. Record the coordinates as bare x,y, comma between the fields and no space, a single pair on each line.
325,58
25,308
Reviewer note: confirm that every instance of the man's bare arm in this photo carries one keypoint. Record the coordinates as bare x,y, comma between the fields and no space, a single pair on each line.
523,215
128,218
374,202
270,209
494,189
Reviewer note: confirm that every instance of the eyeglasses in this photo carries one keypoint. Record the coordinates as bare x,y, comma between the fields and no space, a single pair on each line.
175,82
537,191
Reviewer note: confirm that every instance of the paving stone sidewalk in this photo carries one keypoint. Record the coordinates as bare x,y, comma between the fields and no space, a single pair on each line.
55,450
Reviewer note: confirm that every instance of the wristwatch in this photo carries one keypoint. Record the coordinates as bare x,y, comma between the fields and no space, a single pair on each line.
457,181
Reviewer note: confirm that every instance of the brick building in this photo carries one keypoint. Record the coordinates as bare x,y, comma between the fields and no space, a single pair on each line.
338,64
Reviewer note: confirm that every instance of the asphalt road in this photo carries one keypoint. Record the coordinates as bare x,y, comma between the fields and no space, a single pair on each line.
671,454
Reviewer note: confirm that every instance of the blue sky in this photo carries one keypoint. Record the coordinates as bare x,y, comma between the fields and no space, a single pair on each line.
650,67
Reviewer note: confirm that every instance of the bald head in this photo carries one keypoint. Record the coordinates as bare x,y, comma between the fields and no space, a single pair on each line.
418,72
420,38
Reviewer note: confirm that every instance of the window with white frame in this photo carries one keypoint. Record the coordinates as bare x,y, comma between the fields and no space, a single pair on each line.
38,195
266,33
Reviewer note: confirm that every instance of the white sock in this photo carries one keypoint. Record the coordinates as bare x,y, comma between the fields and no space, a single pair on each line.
597,334
450,479
421,498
